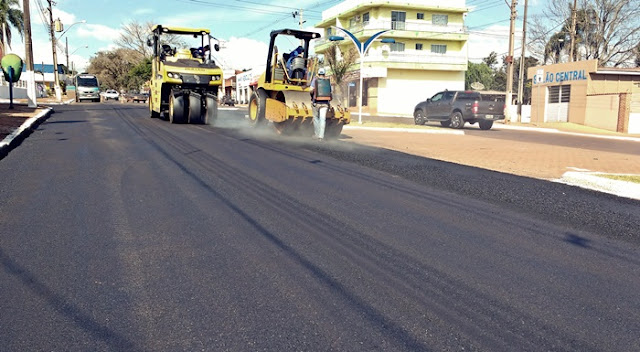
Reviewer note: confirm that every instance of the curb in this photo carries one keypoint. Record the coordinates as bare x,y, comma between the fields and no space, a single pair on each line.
408,130
553,130
14,139
592,181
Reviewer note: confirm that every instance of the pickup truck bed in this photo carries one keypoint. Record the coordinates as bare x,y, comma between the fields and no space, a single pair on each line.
455,108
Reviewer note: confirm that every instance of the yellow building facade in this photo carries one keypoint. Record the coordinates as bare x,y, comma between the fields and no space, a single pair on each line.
429,54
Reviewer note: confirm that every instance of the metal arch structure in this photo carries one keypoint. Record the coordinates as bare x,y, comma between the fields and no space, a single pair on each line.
362,50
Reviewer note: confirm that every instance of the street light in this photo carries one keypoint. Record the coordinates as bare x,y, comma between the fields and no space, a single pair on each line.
66,48
54,41
362,48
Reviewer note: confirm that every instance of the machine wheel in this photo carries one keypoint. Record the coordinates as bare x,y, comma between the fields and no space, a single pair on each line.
445,123
176,109
418,117
211,114
456,120
195,109
333,130
257,108
485,125
153,114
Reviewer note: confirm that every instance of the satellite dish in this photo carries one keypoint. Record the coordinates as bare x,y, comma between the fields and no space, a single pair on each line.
477,86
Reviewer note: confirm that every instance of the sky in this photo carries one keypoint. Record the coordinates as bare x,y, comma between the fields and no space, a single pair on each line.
243,26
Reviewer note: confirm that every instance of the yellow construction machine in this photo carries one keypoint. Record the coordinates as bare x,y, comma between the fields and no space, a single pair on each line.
184,81
282,94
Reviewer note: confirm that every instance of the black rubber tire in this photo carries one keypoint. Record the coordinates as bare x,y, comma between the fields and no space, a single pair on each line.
177,111
456,120
257,108
418,117
153,114
195,109
485,125
211,113
333,130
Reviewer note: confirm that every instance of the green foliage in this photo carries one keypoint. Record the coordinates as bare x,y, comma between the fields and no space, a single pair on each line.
139,74
10,16
478,73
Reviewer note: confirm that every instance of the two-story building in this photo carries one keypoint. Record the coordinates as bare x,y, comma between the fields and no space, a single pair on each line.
429,53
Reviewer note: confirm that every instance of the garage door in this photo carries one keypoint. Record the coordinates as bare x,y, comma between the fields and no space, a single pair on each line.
558,98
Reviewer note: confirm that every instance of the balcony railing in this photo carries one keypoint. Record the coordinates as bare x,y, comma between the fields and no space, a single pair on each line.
418,58
419,26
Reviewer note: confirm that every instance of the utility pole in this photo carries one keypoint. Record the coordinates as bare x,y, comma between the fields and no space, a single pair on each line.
573,29
512,34
28,50
301,21
66,50
56,83
522,60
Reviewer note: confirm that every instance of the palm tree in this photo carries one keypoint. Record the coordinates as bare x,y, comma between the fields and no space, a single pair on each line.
10,16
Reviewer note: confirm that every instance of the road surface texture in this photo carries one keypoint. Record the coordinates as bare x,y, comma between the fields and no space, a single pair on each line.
121,232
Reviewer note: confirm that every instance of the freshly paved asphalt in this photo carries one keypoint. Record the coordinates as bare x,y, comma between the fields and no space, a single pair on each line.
120,232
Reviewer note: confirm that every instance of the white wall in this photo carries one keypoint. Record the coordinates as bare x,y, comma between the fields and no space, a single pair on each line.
402,90
18,93
634,123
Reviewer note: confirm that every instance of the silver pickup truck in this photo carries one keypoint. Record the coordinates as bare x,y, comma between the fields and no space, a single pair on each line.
453,108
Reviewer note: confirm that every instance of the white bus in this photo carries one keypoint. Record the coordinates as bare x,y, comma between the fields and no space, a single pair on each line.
87,87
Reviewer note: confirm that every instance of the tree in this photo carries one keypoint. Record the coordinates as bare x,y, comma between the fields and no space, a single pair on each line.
339,65
134,37
606,30
112,67
479,73
139,75
637,56
491,60
10,16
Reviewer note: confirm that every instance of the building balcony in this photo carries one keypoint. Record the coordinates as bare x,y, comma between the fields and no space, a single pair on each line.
417,58
410,30
411,26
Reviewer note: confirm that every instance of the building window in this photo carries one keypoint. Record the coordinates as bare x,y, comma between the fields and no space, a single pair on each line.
398,19
438,48
352,22
365,19
328,32
418,46
440,20
396,46
560,94
421,15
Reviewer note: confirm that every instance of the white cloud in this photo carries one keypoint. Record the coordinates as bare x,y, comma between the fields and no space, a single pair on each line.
99,32
143,12
241,53
494,38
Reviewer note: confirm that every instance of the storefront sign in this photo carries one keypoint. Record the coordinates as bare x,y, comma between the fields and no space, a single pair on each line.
559,77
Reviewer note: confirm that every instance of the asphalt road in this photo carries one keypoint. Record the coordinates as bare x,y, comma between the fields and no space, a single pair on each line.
121,232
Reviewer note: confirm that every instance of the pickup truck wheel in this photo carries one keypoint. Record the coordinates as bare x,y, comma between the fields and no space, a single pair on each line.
445,123
418,117
456,120
485,125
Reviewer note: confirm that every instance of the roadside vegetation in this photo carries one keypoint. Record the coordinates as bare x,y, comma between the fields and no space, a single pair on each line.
128,67
625,178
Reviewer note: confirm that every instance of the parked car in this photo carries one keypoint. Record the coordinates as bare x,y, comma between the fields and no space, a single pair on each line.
110,94
454,108
227,100
135,97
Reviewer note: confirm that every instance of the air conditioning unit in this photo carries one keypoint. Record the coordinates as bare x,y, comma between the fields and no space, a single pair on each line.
357,17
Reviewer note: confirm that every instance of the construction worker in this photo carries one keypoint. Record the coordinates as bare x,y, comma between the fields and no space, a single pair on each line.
320,101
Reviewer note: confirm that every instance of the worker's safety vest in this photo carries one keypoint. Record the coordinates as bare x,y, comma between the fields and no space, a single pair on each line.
322,90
